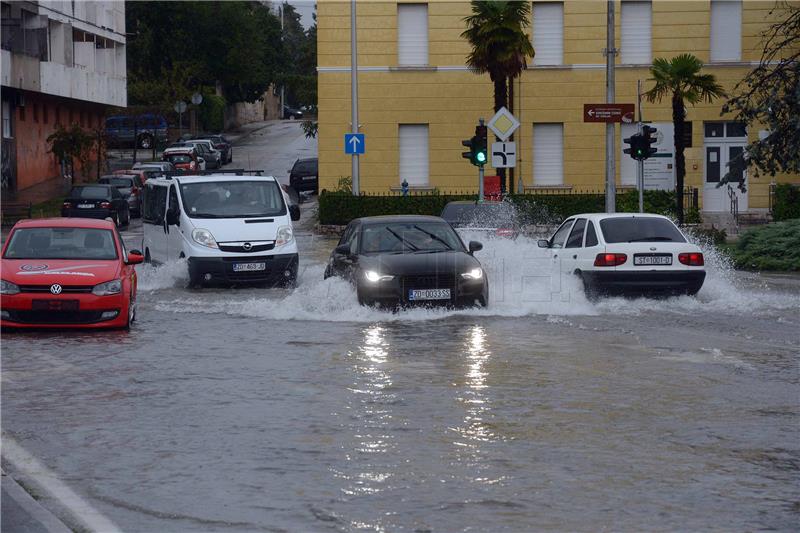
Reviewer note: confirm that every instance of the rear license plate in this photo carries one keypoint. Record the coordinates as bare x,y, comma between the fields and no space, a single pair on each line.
249,267
309,178
428,294
652,259
85,206
54,305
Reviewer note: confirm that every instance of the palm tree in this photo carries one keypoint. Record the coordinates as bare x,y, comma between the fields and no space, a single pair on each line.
680,79
500,46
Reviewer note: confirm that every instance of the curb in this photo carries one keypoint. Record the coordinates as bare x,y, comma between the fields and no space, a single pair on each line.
33,517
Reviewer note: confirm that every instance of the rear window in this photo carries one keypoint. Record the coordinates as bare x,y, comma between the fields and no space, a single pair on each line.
89,192
636,229
305,167
179,158
118,182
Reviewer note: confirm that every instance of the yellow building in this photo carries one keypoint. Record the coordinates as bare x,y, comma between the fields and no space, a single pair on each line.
416,96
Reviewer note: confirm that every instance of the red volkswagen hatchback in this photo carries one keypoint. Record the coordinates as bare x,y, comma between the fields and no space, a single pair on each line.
67,273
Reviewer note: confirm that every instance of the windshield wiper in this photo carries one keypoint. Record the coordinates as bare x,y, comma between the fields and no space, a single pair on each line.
651,239
206,215
434,236
401,239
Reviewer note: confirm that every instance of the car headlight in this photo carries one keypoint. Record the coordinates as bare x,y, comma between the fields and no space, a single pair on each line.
6,287
203,237
285,236
475,273
108,288
375,277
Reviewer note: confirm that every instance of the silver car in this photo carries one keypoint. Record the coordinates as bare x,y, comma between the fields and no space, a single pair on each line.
128,188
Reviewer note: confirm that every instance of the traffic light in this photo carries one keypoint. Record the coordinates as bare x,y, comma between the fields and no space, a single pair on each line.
477,147
639,143
635,149
649,138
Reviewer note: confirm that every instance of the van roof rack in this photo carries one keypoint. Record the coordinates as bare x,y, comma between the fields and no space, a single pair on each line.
234,171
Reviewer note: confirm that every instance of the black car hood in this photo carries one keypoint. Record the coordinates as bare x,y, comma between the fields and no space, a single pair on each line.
419,263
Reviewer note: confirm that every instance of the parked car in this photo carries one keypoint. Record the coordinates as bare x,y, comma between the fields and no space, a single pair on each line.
627,254
67,273
140,174
184,158
409,260
291,113
164,166
304,175
97,200
230,228
492,218
130,187
222,144
122,130
207,151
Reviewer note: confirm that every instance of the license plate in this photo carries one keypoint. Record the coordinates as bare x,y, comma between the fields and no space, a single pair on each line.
652,259
54,305
85,206
249,267
428,294
309,178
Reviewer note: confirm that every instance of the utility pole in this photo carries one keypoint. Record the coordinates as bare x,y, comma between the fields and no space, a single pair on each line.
480,174
283,85
640,166
354,92
611,171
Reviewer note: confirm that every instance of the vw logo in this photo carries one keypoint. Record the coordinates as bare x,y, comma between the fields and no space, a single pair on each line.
247,246
33,268
55,288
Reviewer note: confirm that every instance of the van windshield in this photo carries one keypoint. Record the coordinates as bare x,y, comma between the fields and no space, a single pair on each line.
232,199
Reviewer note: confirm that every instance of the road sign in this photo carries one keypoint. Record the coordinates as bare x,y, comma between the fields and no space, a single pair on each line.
180,106
354,143
504,155
503,124
608,113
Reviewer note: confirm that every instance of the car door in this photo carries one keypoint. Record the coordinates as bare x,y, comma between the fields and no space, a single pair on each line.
153,220
591,247
572,247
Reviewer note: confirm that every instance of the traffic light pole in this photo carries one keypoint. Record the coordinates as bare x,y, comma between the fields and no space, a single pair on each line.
356,182
480,175
640,174
611,53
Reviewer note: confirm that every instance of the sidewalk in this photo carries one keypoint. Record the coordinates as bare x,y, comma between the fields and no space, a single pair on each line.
22,514
41,192
245,130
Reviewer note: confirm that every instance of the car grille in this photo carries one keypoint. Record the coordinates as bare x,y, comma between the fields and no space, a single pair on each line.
239,249
431,281
64,288
56,317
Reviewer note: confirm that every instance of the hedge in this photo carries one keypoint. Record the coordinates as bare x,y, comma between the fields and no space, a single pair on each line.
339,208
212,112
771,247
787,202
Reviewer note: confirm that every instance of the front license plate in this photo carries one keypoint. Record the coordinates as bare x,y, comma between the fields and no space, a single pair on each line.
54,305
652,259
85,206
428,294
249,267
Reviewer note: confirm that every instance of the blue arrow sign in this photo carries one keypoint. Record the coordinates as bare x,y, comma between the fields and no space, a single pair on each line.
354,143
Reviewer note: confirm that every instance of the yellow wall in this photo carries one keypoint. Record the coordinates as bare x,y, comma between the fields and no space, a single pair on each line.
451,99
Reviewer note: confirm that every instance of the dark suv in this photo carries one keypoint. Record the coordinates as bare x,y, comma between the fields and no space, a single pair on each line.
304,175
145,129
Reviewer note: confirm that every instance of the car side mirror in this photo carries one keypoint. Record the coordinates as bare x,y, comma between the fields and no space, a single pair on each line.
543,243
475,246
342,249
294,212
173,217
135,257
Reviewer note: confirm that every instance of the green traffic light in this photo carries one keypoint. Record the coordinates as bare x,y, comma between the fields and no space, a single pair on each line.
480,157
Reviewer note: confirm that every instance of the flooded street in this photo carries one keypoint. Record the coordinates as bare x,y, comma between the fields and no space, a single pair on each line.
275,410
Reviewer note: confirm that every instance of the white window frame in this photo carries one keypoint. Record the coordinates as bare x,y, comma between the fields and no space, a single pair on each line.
548,154
548,33
412,35
636,32
726,18
413,149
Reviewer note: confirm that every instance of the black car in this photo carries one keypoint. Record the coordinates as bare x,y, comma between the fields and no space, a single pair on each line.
409,260
291,113
304,175
97,201
130,188
493,218
220,143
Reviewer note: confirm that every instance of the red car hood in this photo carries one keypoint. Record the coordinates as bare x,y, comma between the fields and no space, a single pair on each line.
64,272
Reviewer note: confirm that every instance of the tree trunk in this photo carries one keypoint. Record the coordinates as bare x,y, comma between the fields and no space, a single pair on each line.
680,160
500,100
511,188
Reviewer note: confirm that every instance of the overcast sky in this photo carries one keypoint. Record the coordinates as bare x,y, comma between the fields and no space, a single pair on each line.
306,10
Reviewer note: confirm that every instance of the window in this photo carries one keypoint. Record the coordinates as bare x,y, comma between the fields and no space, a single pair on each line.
591,236
36,112
558,239
576,236
413,142
412,34
636,32
155,203
21,113
6,119
726,30
548,154
548,33
639,229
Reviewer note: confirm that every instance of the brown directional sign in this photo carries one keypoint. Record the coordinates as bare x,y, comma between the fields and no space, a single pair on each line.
608,113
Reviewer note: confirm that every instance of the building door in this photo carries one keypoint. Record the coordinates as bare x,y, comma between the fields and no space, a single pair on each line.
723,146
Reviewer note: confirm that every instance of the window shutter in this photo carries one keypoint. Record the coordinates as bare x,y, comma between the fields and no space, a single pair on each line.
548,154
636,33
413,154
726,30
412,34
548,33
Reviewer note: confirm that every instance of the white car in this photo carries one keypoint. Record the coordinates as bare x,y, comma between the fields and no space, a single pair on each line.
627,253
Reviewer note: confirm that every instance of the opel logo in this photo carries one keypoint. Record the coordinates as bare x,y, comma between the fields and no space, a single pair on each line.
247,246
55,288
652,248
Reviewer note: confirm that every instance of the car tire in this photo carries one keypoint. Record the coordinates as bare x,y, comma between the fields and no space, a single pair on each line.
131,314
117,220
589,290
146,141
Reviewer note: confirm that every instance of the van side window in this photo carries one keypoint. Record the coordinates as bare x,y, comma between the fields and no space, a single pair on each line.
561,235
591,236
155,203
173,199
576,237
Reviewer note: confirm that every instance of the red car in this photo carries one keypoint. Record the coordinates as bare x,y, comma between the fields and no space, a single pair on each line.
67,273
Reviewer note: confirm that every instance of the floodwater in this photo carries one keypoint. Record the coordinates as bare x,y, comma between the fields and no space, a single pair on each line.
275,410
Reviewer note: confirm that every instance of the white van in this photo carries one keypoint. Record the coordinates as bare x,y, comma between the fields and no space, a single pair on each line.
230,228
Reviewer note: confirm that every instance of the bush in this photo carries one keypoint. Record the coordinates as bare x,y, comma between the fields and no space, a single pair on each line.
772,247
787,202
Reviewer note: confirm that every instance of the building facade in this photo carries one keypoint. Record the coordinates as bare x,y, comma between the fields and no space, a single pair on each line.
63,62
418,100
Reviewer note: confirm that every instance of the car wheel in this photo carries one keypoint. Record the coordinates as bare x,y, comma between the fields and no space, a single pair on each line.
588,287
145,141
117,220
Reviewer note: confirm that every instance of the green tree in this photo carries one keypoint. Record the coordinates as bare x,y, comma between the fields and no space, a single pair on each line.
681,80
769,96
500,46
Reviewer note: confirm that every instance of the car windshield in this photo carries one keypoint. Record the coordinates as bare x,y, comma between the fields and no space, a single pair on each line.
90,192
233,199
61,243
640,229
118,182
409,237
179,158
486,215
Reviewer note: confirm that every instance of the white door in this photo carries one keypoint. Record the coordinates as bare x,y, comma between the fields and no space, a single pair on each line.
718,157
